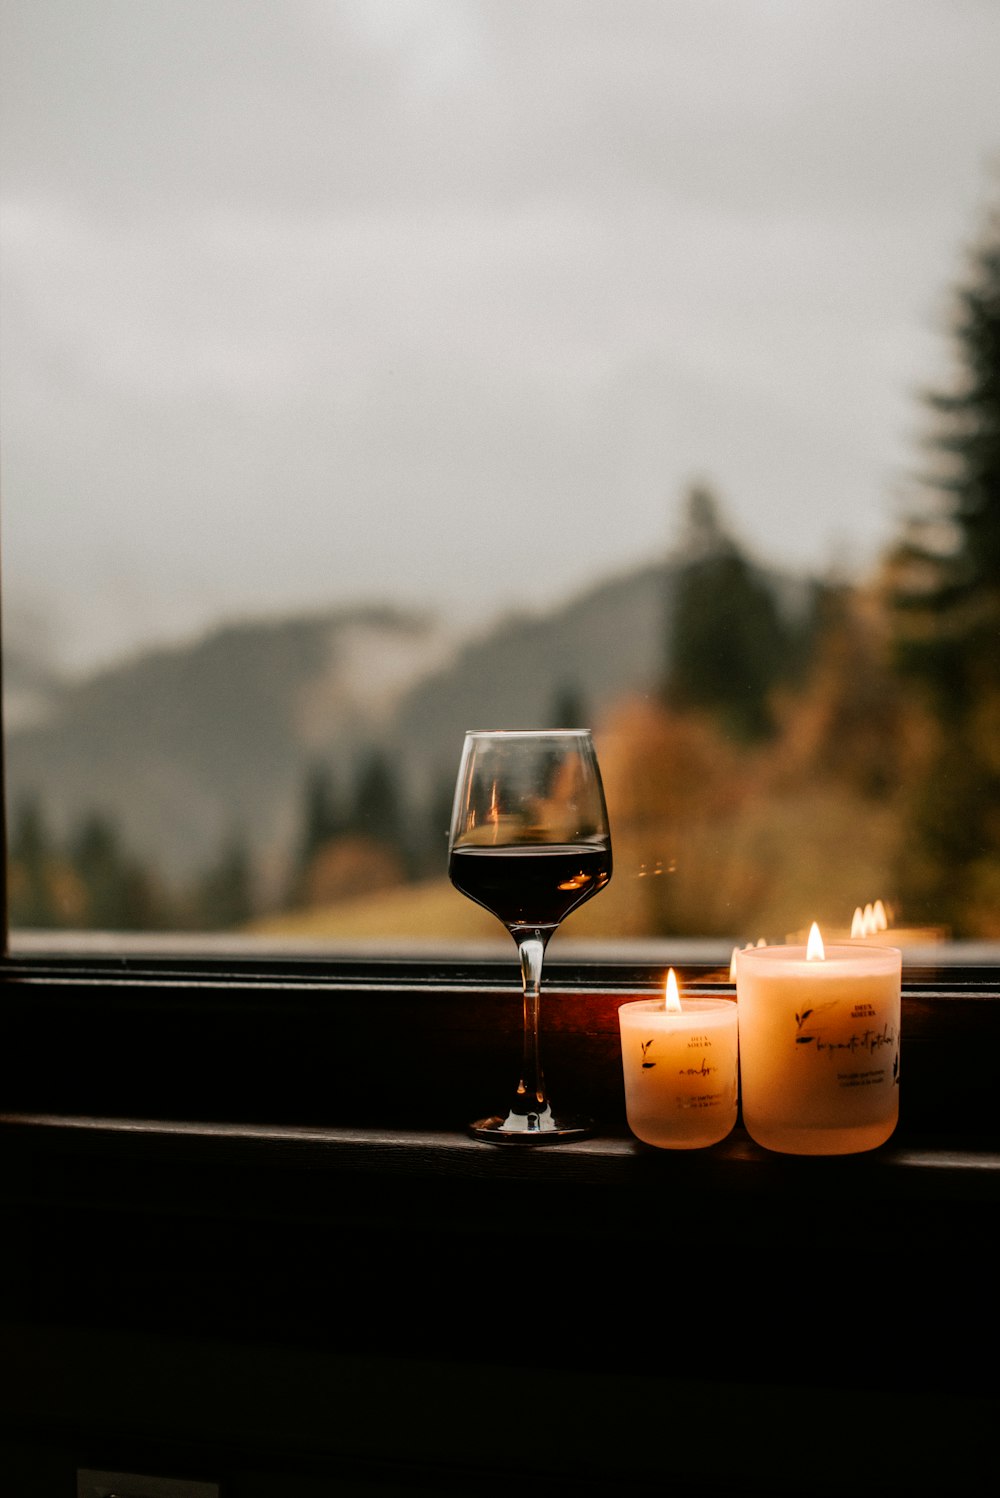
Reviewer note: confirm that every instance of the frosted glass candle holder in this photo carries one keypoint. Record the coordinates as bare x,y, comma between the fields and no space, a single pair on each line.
680,1071
819,1047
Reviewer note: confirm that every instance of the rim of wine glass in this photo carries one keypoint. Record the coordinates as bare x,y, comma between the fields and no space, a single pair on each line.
528,733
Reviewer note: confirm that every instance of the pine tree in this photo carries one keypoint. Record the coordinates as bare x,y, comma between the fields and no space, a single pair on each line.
225,894
568,708
120,894
31,866
945,576
321,820
728,645
944,586
320,824
377,810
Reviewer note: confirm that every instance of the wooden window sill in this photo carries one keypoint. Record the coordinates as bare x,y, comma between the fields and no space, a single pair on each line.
372,1301
947,1171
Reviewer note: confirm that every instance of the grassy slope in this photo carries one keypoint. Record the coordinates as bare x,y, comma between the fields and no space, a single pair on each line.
767,871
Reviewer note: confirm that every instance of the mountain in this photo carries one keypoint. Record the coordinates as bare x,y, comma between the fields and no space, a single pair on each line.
608,641
30,682
186,748
183,748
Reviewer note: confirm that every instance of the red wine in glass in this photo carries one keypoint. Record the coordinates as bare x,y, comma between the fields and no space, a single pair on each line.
530,843
531,886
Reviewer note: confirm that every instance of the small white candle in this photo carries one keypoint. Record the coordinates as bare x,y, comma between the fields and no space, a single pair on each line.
679,1059
819,1046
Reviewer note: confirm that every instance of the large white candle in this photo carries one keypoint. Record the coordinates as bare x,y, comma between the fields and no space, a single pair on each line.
680,1069
819,1046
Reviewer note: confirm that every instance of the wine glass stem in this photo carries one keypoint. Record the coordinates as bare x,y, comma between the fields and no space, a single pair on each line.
531,1091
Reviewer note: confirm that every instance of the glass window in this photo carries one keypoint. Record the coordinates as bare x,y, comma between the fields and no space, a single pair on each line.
378,369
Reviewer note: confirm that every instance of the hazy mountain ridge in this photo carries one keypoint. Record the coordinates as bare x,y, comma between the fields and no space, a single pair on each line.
607,641
31,685
184,748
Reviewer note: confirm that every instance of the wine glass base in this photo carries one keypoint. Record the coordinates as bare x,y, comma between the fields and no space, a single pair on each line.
531,1128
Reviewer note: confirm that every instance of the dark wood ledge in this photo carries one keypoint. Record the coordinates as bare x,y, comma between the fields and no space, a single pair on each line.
949,1173
379,1310
399,1048
244,1229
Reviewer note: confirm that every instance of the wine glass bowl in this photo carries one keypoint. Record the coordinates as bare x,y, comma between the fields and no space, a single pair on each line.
530,843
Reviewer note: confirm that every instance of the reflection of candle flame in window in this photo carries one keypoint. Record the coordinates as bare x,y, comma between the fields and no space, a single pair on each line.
761,942
672,997
815,951
870,920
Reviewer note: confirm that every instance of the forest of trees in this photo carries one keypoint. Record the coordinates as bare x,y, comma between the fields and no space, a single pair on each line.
796,751
944,591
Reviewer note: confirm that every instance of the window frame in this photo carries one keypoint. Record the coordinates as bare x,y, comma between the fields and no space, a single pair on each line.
957,1003
247,1040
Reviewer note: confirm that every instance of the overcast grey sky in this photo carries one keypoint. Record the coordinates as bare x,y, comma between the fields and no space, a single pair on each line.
449,300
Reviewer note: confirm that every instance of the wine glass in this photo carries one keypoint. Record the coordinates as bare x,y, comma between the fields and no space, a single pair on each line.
530,842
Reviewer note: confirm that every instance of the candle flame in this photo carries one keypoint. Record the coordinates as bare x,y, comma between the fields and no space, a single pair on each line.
815,951
870,921
672,997
760,942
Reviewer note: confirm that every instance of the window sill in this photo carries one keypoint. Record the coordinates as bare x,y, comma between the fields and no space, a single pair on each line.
372,1302
405,1046
295,1233
891,1172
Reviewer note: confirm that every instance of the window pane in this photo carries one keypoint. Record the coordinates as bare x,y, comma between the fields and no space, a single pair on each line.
378,369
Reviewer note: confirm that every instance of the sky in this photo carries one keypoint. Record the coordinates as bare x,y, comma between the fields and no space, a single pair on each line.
449,302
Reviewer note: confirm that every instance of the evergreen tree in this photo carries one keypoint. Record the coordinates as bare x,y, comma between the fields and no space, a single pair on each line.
225,896
377,810
727,643
96,856
320,824
434,820
31,860
945,576
944,585
120,895
321,820
569,709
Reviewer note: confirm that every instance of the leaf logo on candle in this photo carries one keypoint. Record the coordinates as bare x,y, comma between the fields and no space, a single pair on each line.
645,1044
800,1020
